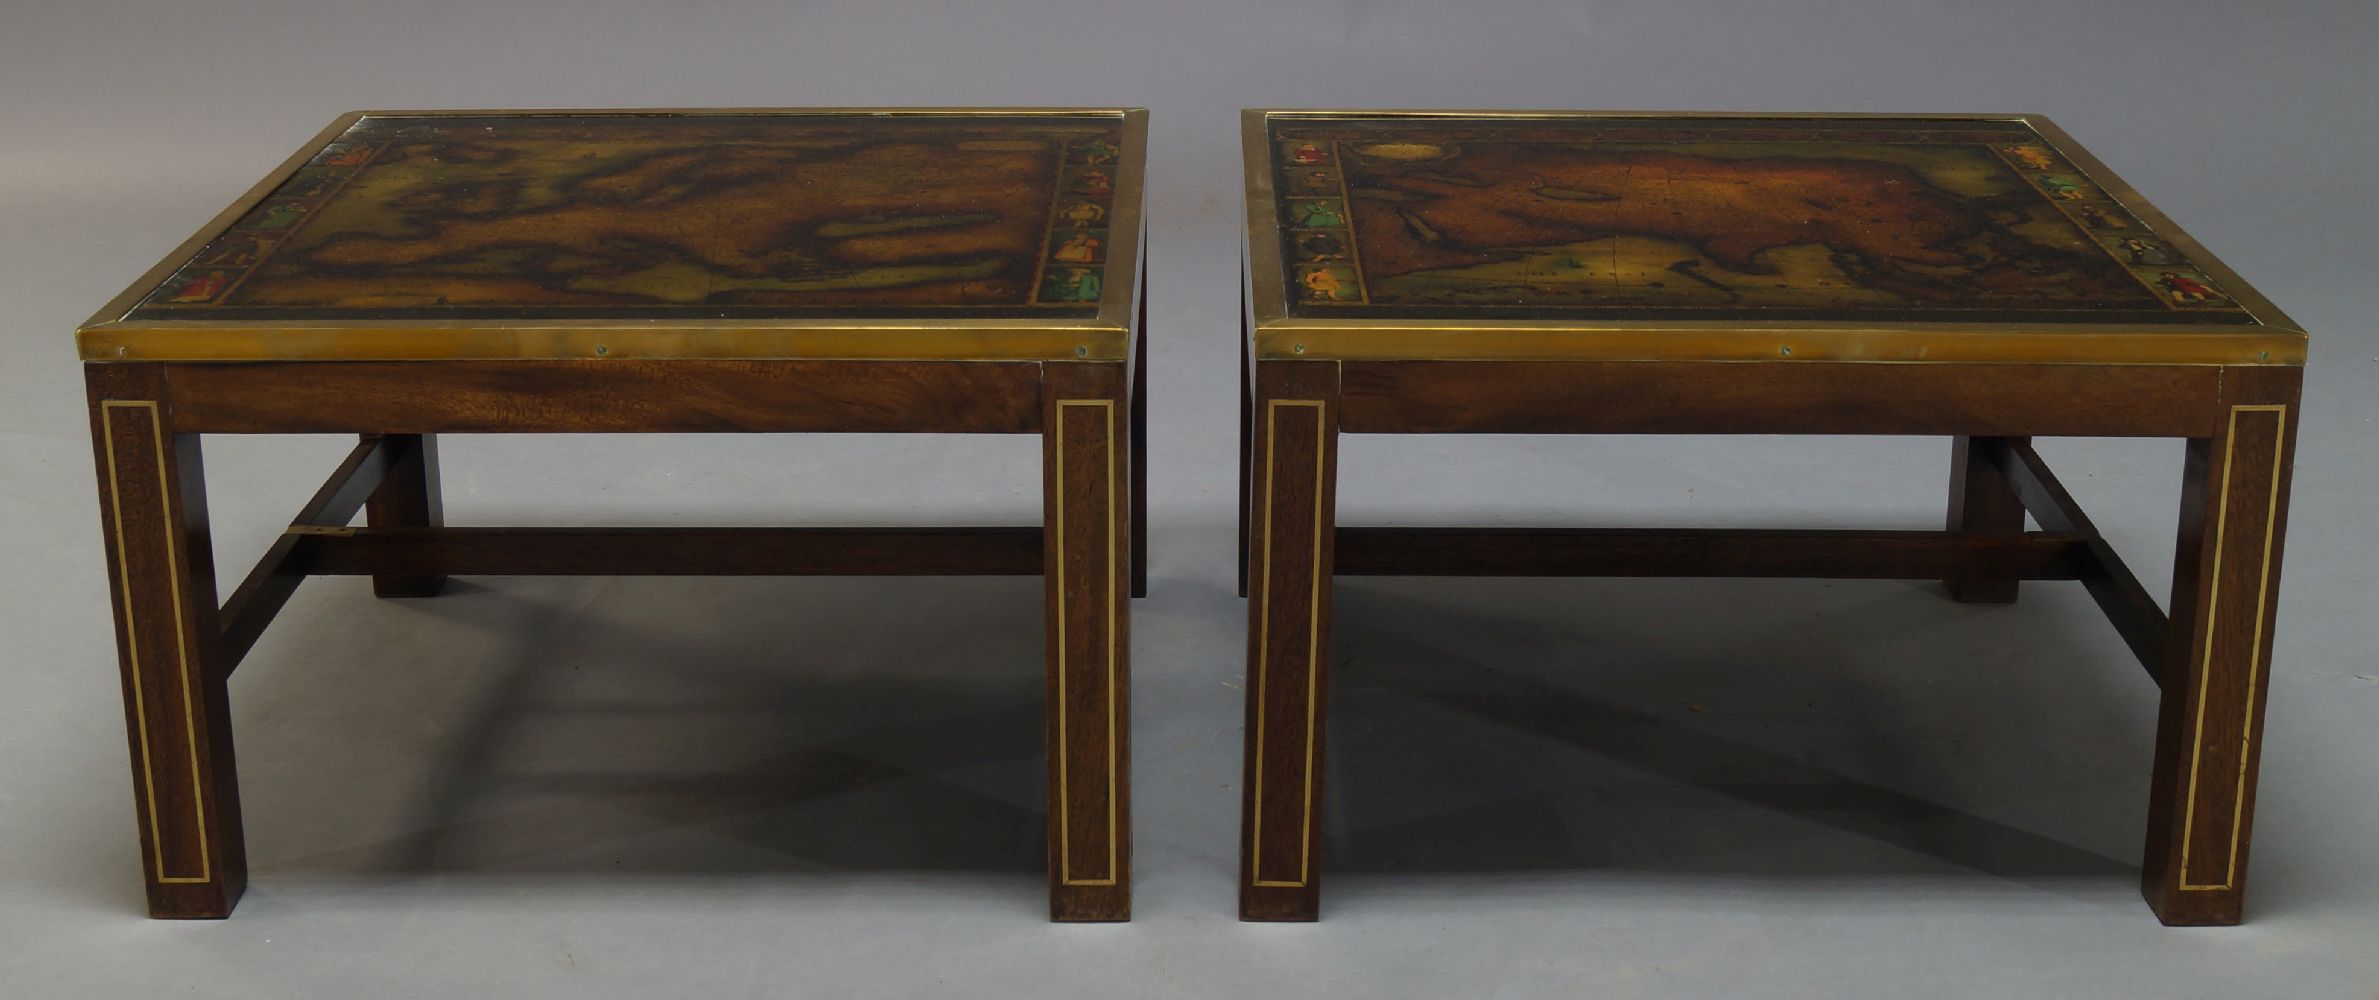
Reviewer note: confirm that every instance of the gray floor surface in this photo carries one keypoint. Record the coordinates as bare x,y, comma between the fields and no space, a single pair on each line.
638,787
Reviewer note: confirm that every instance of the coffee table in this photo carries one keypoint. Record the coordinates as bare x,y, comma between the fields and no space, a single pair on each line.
410,274
1979,277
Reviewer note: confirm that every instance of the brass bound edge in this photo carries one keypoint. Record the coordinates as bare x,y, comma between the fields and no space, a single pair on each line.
1277,335
108,337
132,637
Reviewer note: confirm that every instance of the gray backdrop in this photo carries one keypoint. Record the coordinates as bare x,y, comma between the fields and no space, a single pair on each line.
830,788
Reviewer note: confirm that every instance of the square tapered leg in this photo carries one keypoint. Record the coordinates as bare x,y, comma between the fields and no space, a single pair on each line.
1140,452
408,497
1296,449
1982,503
1086,534
152,502
2226,590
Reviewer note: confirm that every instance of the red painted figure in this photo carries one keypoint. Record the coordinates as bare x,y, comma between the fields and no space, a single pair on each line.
2183,289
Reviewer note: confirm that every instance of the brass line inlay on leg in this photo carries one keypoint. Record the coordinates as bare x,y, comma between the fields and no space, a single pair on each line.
173,571
1065,854
2205,672
1264,647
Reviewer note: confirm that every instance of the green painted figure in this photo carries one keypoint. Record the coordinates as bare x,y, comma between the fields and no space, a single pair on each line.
1074,284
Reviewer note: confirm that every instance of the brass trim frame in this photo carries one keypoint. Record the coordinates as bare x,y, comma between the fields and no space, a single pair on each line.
1255,867
109,336
116,308
1276,334
2122,193
590,340
1065,871
2205,674
140,709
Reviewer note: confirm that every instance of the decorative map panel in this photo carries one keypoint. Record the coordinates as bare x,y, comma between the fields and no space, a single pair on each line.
1687,218
672,216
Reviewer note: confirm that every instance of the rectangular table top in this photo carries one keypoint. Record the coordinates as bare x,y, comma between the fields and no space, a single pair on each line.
1618,236
730,233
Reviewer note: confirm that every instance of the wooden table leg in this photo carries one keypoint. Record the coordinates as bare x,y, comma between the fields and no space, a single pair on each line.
1087,416
1247,404
1296,449
1982,503
2226,588
409,497
161,575
1140,452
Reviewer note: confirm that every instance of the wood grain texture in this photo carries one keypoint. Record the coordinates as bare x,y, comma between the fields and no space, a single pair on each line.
276,576
2226,586
1706,552
1653,397
410,497
163,576
429,397
1087,571
153,515
1288,659
1247,396
1981,503
1140,449
2211,654
2128,606
494,551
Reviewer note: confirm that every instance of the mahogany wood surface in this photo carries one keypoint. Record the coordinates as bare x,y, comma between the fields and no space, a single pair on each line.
2210,653
1294,488
1779,397
693,395
2128,605
153,516
1247,404
476,551
1087,570
258,598
2226,589
409,498
1139,455
1981,503
991,283
1707,552
1419,271
179,648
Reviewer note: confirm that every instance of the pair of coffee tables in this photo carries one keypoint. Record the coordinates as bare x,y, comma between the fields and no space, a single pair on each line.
411,274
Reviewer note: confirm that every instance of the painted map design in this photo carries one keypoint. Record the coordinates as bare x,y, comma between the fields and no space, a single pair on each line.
1716,218
703,215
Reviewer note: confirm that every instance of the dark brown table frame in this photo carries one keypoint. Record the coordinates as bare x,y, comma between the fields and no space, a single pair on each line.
2208,654
178,647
